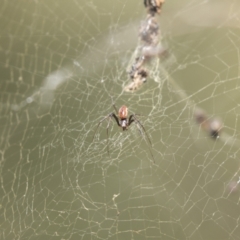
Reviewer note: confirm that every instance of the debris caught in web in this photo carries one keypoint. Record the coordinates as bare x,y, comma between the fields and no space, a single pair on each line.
212,126
151,46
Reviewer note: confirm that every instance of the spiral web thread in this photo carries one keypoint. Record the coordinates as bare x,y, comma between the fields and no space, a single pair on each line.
63,65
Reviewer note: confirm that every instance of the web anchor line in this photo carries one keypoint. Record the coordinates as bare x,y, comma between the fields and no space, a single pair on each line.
149,35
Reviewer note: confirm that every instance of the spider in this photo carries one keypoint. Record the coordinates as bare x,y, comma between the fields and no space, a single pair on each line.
122,120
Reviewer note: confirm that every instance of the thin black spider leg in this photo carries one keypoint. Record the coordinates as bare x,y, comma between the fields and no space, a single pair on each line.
132,119
109,116
95,132
108,136
115,108
116,119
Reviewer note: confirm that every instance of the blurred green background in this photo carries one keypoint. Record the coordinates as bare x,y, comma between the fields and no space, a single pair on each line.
63,63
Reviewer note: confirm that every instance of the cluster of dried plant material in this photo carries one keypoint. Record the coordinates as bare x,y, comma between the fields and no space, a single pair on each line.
153,6
151,47
212,126
149,31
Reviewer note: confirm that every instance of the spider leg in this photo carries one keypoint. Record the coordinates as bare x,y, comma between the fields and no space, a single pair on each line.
112,115
116,119
99,125
108,137
132,119
115,108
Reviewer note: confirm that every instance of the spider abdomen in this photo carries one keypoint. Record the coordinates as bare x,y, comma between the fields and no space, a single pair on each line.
123,112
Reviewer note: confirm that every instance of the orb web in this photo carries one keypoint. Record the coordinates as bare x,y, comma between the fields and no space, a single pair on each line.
63,66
